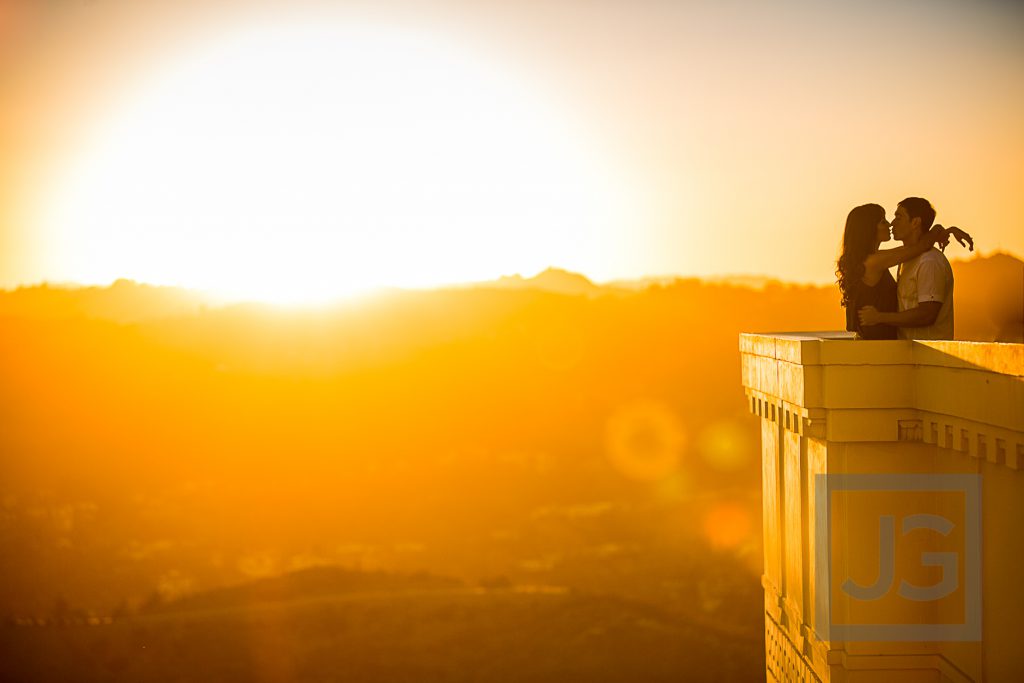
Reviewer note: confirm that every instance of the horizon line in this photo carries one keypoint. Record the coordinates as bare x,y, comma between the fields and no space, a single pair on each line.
625,282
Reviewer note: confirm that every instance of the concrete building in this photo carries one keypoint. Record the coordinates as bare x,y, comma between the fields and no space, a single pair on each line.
893,507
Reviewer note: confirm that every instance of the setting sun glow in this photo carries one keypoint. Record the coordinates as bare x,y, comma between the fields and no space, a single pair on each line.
299,163
392,340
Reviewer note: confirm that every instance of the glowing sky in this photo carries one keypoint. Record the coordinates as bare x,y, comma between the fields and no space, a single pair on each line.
631,139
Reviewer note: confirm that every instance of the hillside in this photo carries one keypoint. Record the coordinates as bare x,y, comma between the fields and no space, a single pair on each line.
156,450
485,635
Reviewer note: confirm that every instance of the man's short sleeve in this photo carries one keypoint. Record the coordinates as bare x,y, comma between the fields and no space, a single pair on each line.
931,282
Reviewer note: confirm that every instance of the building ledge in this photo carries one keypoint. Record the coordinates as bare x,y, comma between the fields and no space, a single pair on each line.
841,348
856,435
968,396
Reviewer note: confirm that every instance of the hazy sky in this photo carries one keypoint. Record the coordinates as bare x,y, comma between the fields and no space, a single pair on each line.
626,138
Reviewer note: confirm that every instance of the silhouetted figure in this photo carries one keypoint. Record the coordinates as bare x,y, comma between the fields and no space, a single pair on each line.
924,287
863,270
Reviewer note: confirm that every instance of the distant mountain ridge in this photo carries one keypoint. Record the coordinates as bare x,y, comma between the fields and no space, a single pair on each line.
550,280
989,295
122,301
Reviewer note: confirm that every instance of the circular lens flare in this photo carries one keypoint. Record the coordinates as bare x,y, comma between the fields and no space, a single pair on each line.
645,440
727,525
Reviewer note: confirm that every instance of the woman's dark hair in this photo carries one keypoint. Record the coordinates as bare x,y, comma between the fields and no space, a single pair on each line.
859,240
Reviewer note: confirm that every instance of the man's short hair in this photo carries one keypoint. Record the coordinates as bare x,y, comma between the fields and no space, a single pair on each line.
920,208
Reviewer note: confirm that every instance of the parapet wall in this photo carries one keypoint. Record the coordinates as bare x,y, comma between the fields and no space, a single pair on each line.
933,427
968,396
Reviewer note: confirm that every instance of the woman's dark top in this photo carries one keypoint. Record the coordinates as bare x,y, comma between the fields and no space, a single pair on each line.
883,297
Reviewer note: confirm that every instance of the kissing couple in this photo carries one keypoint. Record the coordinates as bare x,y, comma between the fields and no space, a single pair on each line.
918,304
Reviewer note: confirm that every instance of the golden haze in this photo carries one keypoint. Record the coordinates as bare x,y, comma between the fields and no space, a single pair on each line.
527,438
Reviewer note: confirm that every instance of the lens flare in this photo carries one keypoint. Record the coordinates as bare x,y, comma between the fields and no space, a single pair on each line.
645,440
727,525
725,446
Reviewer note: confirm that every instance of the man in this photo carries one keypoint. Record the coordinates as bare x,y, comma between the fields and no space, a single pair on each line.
924,285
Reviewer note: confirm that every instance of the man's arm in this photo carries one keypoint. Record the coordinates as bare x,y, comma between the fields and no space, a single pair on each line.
922,316
931,285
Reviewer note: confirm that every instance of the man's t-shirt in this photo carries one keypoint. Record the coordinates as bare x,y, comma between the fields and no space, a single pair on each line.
927,278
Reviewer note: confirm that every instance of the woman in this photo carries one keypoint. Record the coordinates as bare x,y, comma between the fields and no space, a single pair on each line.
863,270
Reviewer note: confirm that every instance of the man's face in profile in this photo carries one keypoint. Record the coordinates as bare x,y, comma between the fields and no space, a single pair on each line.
902,224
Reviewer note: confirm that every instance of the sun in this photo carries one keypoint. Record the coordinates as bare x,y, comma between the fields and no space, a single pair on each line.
297,163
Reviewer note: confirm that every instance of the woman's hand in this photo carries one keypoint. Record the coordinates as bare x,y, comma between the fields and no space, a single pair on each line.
939,236
962,237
